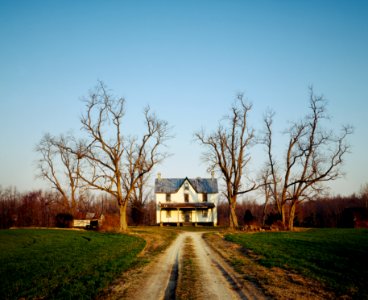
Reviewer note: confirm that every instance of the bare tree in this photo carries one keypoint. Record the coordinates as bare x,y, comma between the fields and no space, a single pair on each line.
313,156
113,162
227,151
59,167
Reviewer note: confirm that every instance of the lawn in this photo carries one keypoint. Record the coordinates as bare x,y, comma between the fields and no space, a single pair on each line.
336,257
62,264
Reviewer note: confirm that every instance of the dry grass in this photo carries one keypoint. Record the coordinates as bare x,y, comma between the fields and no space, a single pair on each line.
157,239
188,287
275,282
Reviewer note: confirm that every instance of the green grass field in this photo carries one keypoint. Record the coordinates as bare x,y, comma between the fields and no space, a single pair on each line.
336,257
61,264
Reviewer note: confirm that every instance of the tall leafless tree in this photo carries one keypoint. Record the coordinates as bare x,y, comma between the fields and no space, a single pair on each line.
313,156
227,150
111,161
59,167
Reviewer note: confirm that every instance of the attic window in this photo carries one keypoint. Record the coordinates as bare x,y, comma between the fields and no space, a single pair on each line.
168,197
186,186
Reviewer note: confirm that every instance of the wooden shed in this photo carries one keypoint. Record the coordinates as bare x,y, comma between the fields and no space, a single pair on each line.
88,220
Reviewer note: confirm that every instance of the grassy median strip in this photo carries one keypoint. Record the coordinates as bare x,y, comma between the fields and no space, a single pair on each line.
62,264
188,286
335,257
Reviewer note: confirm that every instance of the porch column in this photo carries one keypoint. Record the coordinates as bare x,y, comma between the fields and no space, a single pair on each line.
178,211
160,217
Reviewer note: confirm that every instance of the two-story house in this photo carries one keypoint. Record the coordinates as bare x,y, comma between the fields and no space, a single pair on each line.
185,201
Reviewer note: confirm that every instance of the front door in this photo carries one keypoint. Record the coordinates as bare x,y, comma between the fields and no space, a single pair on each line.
187,216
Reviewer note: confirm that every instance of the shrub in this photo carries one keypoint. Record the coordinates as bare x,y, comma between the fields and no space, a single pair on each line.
248,217
111,223
64,220
272,218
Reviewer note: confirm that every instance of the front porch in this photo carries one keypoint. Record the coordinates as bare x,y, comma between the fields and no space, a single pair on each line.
186,214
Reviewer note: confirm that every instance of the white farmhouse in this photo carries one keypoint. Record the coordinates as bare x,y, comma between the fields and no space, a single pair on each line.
185,201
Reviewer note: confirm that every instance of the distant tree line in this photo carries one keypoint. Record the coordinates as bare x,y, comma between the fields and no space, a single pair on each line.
42,208
334,211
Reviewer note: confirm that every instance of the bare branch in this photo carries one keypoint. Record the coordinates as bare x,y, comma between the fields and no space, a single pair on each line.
59,166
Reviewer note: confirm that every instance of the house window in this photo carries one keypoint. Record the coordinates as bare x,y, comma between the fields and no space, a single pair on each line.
168,197
168,214
204,213
186,197
204,197
186,186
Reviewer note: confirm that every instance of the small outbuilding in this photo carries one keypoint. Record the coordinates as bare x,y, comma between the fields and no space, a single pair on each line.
88,220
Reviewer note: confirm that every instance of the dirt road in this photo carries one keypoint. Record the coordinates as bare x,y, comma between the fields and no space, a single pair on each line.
214,279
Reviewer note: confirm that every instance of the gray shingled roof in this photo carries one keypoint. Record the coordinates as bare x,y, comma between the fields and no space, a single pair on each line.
172,185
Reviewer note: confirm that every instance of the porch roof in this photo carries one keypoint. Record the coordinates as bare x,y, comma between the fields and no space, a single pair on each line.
202,205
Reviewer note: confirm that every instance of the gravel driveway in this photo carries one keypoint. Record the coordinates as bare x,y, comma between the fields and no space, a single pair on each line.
218,280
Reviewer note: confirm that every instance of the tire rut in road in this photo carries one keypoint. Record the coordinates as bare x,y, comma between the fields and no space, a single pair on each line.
160,279
170,292
218,282
231,280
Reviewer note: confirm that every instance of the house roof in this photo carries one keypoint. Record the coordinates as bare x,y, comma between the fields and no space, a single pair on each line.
172,185
87,216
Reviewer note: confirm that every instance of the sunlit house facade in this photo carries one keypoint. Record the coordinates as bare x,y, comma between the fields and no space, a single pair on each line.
186,201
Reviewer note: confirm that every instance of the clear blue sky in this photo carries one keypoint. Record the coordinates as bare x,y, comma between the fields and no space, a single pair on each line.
188,60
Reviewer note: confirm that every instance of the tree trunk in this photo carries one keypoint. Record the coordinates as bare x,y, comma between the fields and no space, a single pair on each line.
283,216
264,216
233,217
123,217
291,216
74,205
